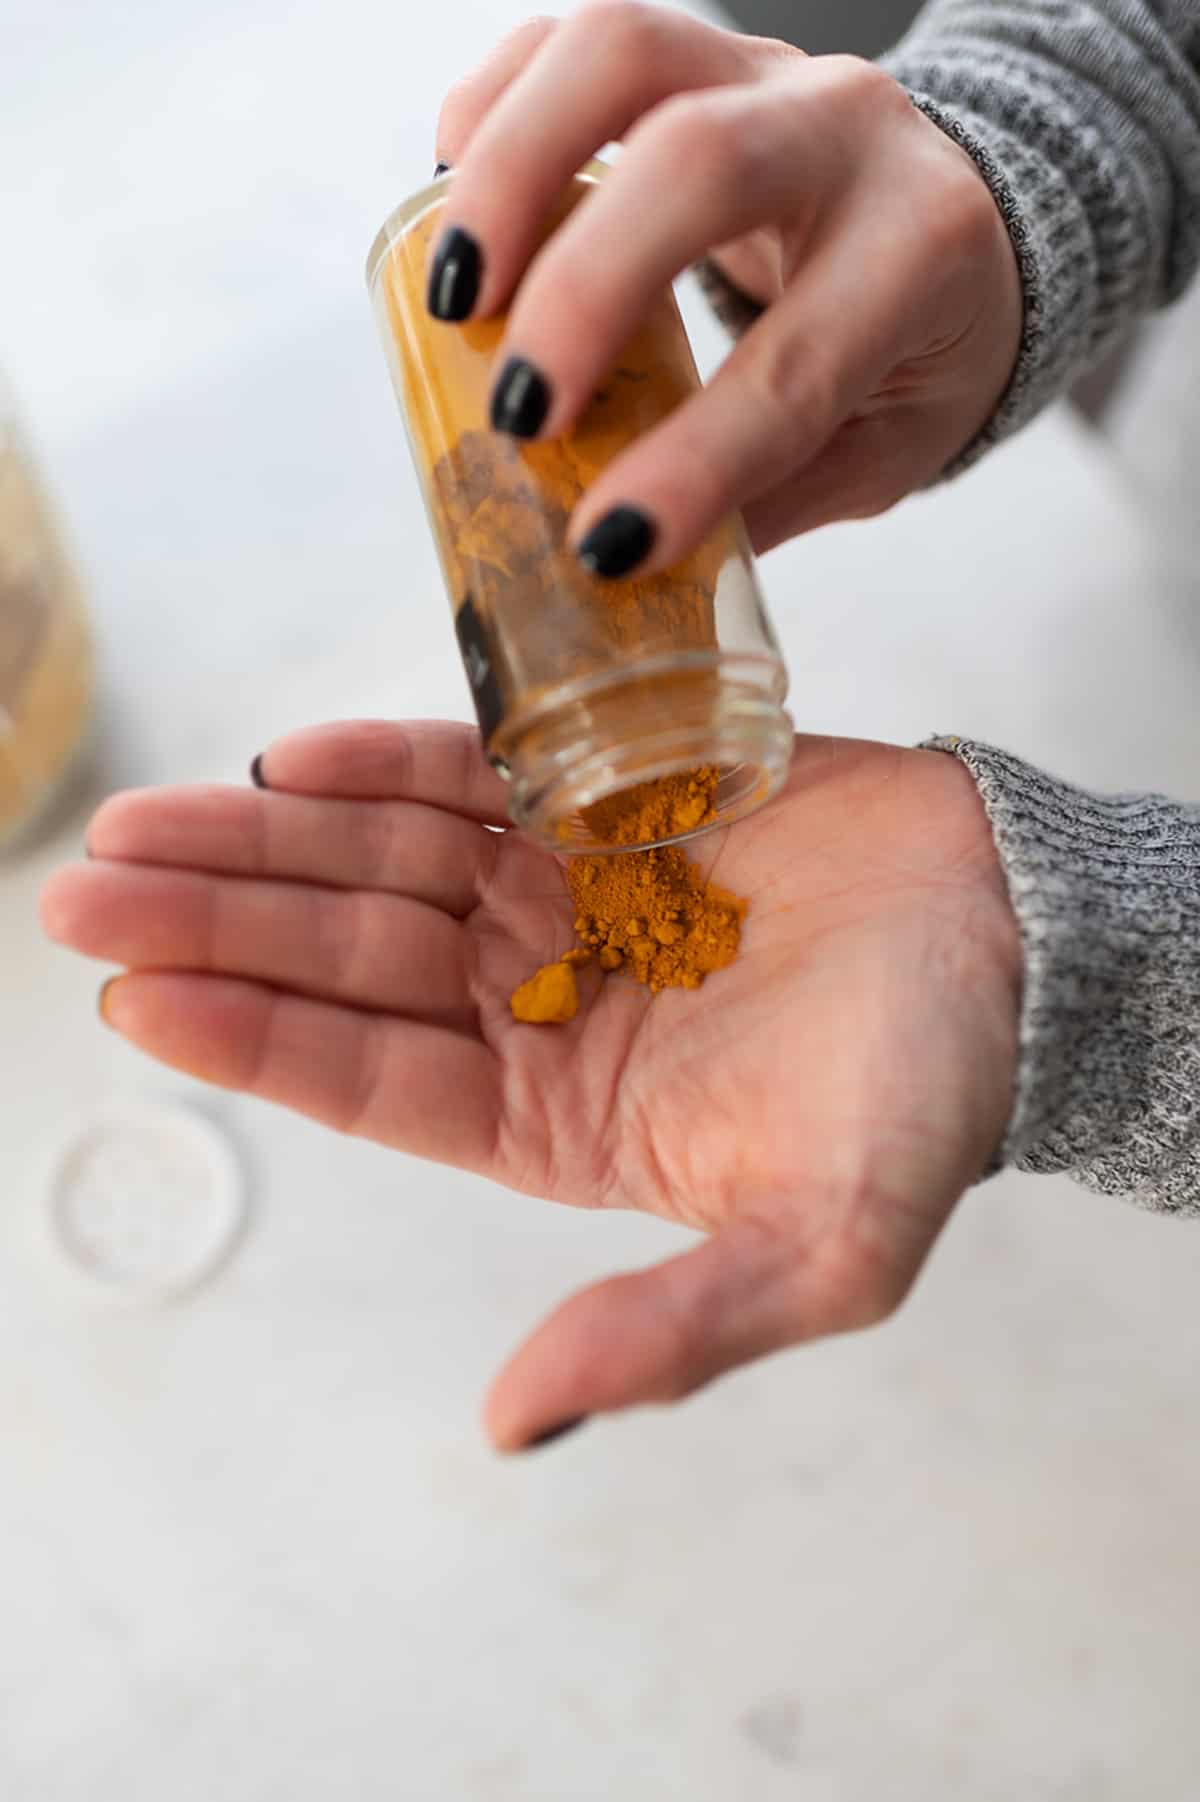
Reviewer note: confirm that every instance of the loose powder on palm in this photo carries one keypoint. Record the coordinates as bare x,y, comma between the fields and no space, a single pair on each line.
649,913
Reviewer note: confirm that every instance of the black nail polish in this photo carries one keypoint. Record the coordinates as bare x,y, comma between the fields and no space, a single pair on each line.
455,277
441,169
520,400
617,543
553,1434
256,773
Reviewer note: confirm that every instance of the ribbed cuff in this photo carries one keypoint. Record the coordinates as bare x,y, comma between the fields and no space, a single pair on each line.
1071,114
1050,238
1084,192
1106,891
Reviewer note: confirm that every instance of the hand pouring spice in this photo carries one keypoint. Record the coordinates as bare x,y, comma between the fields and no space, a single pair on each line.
583,687
628,713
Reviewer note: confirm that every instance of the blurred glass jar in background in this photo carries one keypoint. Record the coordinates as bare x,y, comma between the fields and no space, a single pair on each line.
46,660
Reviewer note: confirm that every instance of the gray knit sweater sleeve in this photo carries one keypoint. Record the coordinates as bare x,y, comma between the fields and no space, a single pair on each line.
1106,891
1083,116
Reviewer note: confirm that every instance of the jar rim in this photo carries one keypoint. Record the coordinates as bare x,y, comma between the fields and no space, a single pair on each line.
748,735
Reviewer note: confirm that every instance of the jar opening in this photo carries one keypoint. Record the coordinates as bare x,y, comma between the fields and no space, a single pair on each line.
740,788
597,747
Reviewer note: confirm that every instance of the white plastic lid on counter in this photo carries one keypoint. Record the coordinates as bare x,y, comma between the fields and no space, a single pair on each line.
147,1199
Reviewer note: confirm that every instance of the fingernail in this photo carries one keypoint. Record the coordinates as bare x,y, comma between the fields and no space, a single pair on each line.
455,276
552,1434
106,989
617,543
520,400
441,169
256,773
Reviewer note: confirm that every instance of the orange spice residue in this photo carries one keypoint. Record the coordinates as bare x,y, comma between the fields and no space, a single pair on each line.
649,913
652,914
655,810
549,998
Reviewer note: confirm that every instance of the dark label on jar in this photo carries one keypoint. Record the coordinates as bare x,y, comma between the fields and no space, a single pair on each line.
479,661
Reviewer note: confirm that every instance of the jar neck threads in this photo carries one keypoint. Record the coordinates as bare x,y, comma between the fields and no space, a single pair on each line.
588,746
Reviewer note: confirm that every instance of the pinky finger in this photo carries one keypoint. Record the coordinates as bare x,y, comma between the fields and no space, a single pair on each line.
395,1081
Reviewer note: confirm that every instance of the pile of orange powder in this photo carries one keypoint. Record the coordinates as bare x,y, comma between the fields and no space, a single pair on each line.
648,913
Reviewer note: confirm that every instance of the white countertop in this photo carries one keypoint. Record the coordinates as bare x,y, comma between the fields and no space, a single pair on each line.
253,1545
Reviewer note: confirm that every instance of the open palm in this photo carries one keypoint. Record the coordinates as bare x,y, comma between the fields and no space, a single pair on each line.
346,944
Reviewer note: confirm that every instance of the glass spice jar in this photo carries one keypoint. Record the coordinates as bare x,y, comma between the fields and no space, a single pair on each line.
585,689
46,664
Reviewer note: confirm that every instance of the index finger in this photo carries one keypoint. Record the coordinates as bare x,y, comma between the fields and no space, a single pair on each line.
589,82
440,762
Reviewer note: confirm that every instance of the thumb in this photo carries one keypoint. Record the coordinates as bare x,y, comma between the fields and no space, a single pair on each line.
651,1336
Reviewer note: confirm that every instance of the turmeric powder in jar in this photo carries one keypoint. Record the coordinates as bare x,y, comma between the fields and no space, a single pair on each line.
585,689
